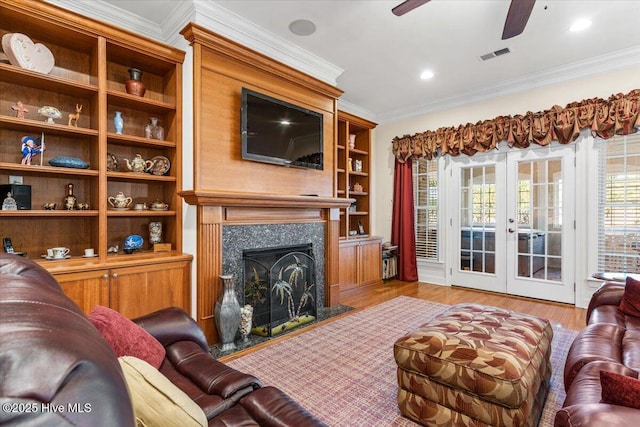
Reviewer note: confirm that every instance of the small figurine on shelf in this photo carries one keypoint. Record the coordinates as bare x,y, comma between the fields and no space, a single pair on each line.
20,109
75,117
30,149
357,187
50,113
9,203
49,206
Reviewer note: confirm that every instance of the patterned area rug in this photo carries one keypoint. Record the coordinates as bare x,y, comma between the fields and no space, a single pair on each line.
344,372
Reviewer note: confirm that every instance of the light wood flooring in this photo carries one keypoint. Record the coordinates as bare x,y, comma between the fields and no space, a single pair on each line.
568,316
565,315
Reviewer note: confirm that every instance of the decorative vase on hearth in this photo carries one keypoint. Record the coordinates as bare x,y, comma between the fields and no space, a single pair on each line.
227,314
246,317
134,85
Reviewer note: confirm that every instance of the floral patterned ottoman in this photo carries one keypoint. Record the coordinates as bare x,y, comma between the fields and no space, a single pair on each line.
475,365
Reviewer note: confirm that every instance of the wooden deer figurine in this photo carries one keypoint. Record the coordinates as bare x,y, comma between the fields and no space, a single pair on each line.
74,117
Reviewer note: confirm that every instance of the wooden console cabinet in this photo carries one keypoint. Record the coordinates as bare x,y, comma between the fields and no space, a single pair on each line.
360,263
92,60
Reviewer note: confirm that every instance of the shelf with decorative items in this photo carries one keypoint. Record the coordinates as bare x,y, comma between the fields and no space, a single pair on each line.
352,174
60,142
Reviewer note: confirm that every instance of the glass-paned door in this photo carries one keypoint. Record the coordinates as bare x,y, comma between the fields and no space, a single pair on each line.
480,251
515,217
541,223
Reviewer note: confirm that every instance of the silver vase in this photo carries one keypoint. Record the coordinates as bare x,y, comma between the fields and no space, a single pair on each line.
227,314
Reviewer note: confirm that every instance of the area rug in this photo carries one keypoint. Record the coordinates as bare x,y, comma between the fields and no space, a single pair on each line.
344,372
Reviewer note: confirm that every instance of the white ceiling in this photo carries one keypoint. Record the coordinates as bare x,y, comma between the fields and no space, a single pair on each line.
382,55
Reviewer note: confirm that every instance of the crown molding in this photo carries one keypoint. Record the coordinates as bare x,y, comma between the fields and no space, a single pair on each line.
113,15
613,61
356,110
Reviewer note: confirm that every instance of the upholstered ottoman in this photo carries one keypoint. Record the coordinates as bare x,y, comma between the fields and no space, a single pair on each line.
475,365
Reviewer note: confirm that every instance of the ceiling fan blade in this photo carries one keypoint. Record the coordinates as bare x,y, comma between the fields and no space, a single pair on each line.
407,6
517,17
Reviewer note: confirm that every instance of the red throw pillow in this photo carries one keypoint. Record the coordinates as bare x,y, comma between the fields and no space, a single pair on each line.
125,337
630,303
620,389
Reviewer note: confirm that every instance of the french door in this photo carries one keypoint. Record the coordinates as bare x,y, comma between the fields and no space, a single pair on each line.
512,222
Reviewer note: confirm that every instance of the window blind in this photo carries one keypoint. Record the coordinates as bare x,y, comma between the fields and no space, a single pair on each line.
619,207
425,200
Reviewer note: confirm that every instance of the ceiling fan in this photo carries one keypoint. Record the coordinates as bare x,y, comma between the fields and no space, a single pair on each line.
517,17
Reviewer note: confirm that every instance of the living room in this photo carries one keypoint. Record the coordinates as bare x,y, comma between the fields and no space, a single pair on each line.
297,195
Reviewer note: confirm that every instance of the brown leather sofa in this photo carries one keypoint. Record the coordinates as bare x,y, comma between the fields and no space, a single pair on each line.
57,370
609,342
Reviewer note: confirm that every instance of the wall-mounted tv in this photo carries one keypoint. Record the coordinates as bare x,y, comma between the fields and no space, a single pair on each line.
275,131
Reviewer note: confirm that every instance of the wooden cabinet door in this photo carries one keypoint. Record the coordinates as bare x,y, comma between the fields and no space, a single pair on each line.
348,267
87,289
371,262
136,291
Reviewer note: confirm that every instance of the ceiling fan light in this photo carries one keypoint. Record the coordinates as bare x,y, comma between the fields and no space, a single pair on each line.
579,25
426,75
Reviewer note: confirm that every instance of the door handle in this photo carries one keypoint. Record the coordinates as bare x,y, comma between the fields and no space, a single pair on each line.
114,275
511,230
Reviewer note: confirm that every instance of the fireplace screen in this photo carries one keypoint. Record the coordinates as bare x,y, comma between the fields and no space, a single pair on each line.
280,285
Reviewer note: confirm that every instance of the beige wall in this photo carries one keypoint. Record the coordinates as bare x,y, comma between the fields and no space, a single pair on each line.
602,85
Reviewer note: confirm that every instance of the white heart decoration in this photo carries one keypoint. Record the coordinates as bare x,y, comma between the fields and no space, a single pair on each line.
23,53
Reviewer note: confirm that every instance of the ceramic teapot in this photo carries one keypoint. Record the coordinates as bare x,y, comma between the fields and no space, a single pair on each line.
157,205
138,164
119,201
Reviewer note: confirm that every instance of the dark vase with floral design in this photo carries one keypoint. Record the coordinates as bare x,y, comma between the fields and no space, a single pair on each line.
134,85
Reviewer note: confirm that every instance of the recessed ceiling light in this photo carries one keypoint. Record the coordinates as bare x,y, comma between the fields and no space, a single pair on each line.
579,25
426,75
302,27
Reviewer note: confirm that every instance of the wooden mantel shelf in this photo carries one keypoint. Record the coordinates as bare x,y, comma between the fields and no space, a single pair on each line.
221,198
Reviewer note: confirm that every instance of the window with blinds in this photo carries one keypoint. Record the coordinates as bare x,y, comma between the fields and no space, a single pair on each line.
425,200
619,207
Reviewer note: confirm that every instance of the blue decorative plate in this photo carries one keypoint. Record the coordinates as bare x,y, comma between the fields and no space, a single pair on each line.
68,162
133,242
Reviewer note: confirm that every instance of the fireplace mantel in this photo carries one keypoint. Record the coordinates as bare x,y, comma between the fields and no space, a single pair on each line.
222,198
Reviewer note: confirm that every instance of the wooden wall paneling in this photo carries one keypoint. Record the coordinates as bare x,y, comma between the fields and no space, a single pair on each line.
332,254
209,267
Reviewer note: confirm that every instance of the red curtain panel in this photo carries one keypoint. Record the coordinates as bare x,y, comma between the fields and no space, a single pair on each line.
402,223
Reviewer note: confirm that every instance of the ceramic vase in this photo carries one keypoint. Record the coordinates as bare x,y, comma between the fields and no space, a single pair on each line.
134,85
155,232
118,122
227,314
352,141
70,200
153,130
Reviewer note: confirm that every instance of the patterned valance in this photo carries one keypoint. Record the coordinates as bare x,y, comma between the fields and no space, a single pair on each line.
618,115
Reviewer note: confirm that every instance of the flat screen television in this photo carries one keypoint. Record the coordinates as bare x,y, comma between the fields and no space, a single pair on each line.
275,131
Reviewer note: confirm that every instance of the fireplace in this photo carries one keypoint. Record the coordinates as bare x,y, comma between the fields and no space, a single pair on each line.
280,284
229,223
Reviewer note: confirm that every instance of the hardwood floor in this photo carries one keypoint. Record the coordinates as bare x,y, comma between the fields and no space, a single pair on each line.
566,315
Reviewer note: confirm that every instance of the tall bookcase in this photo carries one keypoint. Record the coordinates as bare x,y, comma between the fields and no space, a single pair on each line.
91,67
360,252
353,180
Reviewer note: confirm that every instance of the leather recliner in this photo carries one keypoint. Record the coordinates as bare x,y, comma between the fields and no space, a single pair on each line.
609,342
57,370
